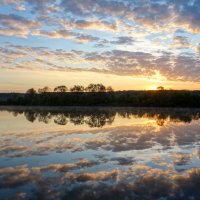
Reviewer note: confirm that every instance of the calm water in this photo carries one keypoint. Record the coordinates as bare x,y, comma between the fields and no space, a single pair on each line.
107,153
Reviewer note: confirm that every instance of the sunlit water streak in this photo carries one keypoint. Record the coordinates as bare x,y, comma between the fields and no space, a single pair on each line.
99,153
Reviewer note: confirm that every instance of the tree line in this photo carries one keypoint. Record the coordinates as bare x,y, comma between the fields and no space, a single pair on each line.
99,95
76,88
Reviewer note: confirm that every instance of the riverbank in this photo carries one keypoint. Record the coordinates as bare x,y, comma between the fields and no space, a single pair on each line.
165,98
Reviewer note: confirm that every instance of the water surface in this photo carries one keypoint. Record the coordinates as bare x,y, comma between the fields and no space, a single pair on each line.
99,153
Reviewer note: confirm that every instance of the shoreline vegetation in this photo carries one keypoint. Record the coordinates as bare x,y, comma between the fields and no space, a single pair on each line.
100,95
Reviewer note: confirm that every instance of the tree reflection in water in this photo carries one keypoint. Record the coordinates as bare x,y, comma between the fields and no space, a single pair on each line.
101,117
136,161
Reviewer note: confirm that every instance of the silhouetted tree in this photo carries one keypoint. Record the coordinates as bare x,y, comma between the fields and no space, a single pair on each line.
31,91
101,88
90,88
44,90
61,88
160,88
109,89
96,88
96,95
77,88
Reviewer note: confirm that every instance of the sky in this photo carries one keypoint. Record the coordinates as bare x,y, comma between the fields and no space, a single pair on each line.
128,44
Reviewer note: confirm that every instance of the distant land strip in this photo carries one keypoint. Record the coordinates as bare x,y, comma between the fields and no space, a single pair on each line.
157,98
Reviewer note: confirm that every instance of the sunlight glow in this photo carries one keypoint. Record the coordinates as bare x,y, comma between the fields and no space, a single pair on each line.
152,87
128,51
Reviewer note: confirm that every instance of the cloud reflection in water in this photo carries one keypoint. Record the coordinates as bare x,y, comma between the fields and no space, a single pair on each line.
114,156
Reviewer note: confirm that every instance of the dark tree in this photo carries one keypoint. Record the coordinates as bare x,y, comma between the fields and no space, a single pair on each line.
44,90
77,88
96,88
109,89
31,91
61,88
160,88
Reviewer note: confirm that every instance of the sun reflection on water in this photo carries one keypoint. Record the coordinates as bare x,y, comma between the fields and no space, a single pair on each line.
106,154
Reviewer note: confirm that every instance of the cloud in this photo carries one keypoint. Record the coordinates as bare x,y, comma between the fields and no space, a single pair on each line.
86,38
21,8
159,14
181,159
41,5
124,161
104,23
100,176
183,67
6,2
36,57
16,176
156,16
78,7
171,14
198,48
57,34
65,34
181,42
12,24
188,15
93,25
77,20
123,184
123,40
173,67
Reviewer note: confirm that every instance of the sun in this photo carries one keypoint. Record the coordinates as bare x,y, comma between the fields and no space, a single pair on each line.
153,87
